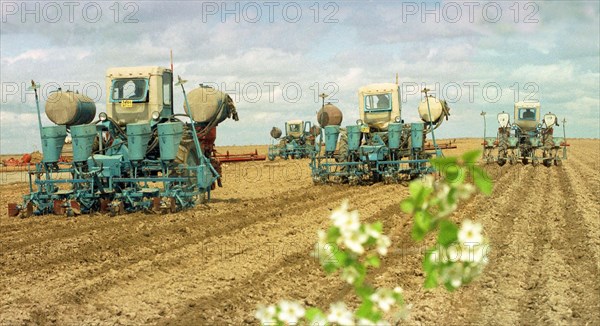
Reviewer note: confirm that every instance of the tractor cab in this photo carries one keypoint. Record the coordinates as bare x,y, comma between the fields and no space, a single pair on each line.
527,115
379,104
295,128
139,94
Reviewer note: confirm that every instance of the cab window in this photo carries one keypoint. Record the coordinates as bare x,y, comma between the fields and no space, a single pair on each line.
527,114
378,102
134,89
167,81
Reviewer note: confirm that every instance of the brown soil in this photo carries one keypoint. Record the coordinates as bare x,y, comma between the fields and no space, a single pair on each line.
251,244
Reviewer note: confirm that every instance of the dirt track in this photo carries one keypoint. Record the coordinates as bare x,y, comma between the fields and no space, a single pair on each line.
251,245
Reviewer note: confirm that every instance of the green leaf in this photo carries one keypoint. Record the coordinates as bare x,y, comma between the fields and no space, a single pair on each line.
431,280
449,286
482,181
470,157
428,264
417,233
423,220
442,163
420,196
378,226
330,267
364,292
448,233
455,174
341,257
362,273
367,311
312,313
373,260
415,188
407,206
333,234
421,225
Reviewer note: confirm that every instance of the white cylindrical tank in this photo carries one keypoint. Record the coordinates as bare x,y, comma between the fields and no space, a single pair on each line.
70,109
208,103
437,108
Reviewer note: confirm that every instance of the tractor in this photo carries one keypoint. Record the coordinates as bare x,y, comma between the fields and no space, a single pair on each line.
137,156
529,139
298,142
380,146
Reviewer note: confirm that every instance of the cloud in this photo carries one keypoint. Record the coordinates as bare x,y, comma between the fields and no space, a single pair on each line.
364,42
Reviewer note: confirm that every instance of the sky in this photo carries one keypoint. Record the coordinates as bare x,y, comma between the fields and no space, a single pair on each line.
274,58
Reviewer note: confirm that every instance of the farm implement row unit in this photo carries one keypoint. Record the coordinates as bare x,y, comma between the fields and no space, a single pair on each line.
527,140
137,156
380,146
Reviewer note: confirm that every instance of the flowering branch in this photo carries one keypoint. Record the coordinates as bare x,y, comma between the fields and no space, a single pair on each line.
351,248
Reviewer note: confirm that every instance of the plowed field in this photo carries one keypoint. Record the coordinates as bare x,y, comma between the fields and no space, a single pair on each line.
251,244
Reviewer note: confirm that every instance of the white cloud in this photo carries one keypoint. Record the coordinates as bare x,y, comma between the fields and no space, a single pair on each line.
369,43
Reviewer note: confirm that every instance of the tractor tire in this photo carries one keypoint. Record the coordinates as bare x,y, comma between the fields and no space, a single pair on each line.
342,155
187,154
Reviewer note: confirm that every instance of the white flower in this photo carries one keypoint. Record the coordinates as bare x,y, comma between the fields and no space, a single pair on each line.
465,190
453,275
365,322
443,191
372,232
447,209
354,241
470,233
382,245
345,220
478,254
349,274
435,257
266,315
290,311
428,181
340,314
349,223
454,253
322,236
398,290
384,299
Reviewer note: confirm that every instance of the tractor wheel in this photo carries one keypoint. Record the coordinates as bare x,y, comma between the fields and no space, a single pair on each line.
342,148
271,157
185,155
547,162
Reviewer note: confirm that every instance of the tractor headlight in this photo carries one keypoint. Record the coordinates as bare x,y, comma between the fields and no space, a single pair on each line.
397,119
155,115
102,116
359,122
